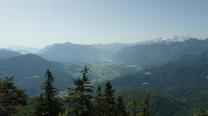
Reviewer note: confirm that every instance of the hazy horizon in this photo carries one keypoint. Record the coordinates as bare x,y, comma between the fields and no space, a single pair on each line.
38,23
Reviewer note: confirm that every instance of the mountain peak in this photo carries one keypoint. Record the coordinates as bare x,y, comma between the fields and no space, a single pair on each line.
68,52
4,53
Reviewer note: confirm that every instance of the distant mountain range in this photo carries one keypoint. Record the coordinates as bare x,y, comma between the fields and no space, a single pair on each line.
74,53
58,56
175,72
29,71
113,47
23,49
161,52
4,54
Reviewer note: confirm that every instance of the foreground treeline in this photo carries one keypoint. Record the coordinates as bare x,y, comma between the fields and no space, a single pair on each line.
82,100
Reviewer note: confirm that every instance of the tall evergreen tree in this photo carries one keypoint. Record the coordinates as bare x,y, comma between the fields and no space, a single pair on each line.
98,102
133,107
48,104
87,89
145,106
81,94
39,106
120,109
10,97
108,100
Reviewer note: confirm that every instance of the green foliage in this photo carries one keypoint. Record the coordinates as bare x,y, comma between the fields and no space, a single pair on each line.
170,96
145,106
201,113
29,72
133,107
26,110
10,97
40,106
48,104
98,102
108,98
183,83
157,54
120,109
81,94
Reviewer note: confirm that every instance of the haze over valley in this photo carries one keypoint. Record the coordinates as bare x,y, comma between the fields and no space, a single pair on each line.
103,58
160,67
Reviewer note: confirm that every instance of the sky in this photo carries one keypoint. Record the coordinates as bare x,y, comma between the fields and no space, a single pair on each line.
37,23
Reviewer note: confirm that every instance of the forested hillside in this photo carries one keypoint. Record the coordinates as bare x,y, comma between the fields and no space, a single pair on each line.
185,81
29,70
84,98
173,82
160,53
103,58
80,100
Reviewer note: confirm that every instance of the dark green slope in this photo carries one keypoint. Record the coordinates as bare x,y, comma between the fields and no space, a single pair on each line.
185,80
161,53
192,72
161,104
29,71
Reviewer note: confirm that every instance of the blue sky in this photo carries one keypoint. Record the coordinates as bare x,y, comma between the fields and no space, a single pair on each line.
41,22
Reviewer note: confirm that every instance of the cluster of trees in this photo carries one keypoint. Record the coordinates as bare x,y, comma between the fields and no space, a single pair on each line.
81,100
101,104
202,112
10,97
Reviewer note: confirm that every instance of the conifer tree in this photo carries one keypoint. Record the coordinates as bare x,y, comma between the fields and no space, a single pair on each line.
145,106
108,100
10,96
48,104
39,106
87,89
98,102
133,107
81,94
120,109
